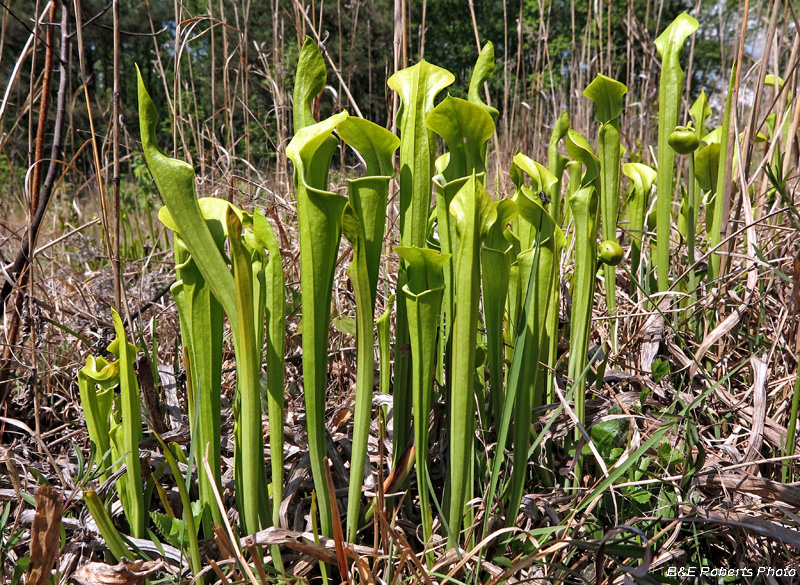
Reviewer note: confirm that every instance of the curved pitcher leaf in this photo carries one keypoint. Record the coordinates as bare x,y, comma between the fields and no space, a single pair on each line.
584,204
714,228
484,70
363,224
129,430
383,325
375,144
556,163
607,95
495,274
670,48
249,467
539,264
319,216
423,297
580,150
175,182
474,213
642,178
309,82
542,181
276,347
96,403
417,88
700,112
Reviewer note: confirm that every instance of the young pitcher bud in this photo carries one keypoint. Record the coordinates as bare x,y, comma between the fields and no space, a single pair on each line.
684,140
610,252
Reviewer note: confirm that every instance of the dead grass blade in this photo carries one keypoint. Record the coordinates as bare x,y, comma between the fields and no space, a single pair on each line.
749,484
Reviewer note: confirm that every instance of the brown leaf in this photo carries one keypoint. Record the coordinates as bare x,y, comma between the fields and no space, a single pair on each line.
125,573
45,535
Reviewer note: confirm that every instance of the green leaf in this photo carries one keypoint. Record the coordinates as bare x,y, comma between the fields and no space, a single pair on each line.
175,182
345,324
584,204
423,297
130,430
609,435
700,111
642,178
375,144
417,87
580,150
363,224
473,213
659,369
249,467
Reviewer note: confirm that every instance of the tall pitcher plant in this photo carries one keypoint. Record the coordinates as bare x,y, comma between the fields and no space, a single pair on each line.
417,88
233,288
363,224
607,95
670,48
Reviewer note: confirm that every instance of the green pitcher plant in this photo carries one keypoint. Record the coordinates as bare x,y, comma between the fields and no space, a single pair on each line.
669,45
363,224
417,87
233,289
115,425
607,95
319,216
423,297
